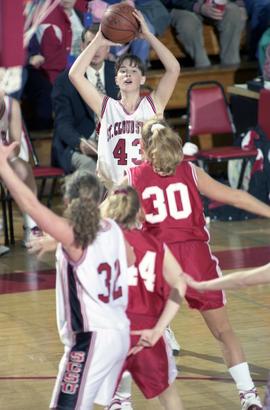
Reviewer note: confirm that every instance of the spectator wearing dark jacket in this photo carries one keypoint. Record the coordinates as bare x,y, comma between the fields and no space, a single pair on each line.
188,17
74,120
259,20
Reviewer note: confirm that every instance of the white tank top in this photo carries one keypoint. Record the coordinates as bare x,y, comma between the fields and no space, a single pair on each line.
119,136
93,293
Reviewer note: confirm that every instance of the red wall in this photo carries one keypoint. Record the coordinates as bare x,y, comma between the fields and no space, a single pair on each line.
11,33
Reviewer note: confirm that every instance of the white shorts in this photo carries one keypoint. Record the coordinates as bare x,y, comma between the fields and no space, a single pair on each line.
89,370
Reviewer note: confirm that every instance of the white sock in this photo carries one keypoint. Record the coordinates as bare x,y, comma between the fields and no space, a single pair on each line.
241,375
28,222
124,387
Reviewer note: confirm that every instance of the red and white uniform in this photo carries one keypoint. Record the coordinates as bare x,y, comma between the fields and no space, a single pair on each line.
174,214
91,300
153,370
119,136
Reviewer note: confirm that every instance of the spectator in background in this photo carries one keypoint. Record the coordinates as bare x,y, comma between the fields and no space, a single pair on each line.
74,120
259,20
188,17
53,48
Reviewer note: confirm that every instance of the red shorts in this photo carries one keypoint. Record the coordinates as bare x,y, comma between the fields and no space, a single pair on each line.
152,369
197,260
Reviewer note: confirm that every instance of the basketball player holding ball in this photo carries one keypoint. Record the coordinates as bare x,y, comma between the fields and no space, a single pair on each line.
121,120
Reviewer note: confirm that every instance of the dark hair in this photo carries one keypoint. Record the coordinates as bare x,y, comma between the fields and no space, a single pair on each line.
134,61
91,29
83,192
162,146
122,205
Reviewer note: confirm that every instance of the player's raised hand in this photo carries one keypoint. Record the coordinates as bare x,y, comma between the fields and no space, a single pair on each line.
144,30
103,41
6,151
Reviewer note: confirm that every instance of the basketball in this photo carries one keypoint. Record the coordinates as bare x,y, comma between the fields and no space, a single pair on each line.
118,23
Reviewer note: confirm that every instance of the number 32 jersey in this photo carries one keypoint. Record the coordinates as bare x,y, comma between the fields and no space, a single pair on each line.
119,136
93,292
172,204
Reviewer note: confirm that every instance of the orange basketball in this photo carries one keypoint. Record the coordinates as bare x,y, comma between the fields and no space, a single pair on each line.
118,23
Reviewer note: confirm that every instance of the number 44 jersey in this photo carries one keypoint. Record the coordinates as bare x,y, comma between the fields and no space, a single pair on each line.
147,289
172,204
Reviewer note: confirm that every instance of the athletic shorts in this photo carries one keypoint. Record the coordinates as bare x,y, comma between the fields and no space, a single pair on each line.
153,369
198,261
89,370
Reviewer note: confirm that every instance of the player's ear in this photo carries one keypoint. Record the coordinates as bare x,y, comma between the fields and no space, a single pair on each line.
143,79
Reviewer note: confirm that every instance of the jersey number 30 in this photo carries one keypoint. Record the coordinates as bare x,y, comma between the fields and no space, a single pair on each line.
162,210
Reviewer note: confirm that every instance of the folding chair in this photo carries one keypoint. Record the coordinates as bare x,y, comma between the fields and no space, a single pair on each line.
208,113
44,173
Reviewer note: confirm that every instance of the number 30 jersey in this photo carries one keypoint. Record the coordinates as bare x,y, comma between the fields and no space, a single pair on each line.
119,136
92,293
147,289
172,204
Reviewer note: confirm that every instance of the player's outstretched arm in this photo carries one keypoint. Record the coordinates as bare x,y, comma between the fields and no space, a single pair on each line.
234,280
47,220
86,89
222,193
173,275
168,81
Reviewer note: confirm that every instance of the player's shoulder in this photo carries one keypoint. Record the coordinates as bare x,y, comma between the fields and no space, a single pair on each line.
143,240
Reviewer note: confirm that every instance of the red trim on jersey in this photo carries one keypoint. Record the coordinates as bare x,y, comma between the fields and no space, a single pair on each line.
104,104
75,263
151,102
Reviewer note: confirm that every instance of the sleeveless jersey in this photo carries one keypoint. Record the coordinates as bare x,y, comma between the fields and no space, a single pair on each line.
119,136
92,293
4,129
148,290
172,204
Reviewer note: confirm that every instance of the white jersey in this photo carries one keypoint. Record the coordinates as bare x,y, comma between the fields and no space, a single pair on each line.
92,293
119,136
4,129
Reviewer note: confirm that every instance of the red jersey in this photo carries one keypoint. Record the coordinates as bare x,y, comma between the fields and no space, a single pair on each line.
147,289
172,204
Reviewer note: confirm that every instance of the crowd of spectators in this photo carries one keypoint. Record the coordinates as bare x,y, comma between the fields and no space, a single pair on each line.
57,41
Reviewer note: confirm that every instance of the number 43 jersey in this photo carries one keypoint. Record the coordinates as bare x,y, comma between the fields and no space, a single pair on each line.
172,204
119,136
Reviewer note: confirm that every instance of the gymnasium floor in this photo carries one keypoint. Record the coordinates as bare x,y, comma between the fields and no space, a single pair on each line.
31,349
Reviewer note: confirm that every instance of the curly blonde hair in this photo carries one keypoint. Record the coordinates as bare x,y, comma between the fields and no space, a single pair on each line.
82,193
122,205
162,146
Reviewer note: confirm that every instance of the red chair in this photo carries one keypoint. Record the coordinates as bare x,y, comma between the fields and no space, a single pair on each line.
43,172
208,113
